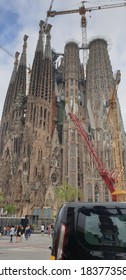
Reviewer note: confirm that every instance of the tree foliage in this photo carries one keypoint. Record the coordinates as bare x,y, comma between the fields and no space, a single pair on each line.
1,198
10,208
65,193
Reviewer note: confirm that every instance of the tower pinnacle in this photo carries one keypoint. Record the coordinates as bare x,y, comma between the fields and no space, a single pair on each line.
39,47
48,52
23,56
15,67
8,100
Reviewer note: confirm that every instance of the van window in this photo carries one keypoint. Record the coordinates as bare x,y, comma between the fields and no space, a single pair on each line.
102,227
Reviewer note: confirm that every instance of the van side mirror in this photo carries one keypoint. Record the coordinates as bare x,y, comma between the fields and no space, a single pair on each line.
50,248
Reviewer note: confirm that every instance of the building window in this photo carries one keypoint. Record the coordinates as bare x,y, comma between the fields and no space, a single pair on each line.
71,82
71,92
73,164
96,193
89,191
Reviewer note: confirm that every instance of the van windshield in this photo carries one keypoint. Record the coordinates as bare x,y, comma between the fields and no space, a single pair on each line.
101,226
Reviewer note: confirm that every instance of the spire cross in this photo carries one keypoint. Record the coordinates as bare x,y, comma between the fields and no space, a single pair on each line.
42,26
25,42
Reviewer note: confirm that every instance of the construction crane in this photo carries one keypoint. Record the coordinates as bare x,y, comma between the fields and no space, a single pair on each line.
46,20
116,141
82,11
104,173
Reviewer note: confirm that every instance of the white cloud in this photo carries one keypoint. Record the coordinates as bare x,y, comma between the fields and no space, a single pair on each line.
109,23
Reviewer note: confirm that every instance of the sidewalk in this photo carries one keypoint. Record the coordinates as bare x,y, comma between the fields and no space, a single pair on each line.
35,248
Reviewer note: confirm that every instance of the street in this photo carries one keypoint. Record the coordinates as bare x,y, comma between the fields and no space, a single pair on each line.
35,248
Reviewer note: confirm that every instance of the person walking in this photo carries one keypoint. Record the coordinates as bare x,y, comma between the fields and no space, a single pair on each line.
51,231
29,231
18,234
22,232
42,229
49,228
12,232
8,230
26,232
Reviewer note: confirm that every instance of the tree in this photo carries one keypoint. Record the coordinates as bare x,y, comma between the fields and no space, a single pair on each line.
1,199
65,193
10,208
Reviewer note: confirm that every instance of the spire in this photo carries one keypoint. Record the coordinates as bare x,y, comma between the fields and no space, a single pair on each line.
23,55
9,94
39,47
36,72
48,51
20,80
15,67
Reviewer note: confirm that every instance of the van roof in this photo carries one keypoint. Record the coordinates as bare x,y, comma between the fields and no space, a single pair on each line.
93,204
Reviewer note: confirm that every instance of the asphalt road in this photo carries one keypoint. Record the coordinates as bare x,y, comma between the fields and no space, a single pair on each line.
35,248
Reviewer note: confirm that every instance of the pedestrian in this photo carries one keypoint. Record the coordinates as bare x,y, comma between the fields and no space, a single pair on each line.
26,232
29,231
12,231
8,230
22,232
49,228
51,231
5,230
1,231
18,234
42,229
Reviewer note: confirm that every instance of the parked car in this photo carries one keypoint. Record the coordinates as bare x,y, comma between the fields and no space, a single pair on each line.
86,231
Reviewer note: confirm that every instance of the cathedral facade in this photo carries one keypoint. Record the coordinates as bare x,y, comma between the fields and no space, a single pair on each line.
39,145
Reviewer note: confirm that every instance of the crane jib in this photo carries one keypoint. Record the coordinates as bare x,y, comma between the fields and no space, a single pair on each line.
82,10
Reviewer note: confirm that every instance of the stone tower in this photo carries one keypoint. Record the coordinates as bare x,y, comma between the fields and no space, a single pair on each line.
71,78
38,128
98,85
12,127
27,130
39,145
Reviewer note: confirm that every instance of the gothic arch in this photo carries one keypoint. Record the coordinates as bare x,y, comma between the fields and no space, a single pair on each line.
96,192
89,192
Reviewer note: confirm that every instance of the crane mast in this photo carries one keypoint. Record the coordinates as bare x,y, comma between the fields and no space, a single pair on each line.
117,194
46,20
82,11
113,121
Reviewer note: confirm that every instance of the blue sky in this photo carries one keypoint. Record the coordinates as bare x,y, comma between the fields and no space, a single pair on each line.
8,26
21,17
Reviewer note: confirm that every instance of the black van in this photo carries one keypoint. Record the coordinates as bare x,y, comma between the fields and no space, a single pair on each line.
90,231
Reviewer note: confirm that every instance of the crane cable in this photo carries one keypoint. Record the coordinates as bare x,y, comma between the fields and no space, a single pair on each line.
10,54
6,51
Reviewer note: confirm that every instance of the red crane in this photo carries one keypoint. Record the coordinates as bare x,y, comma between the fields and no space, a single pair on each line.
104,173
